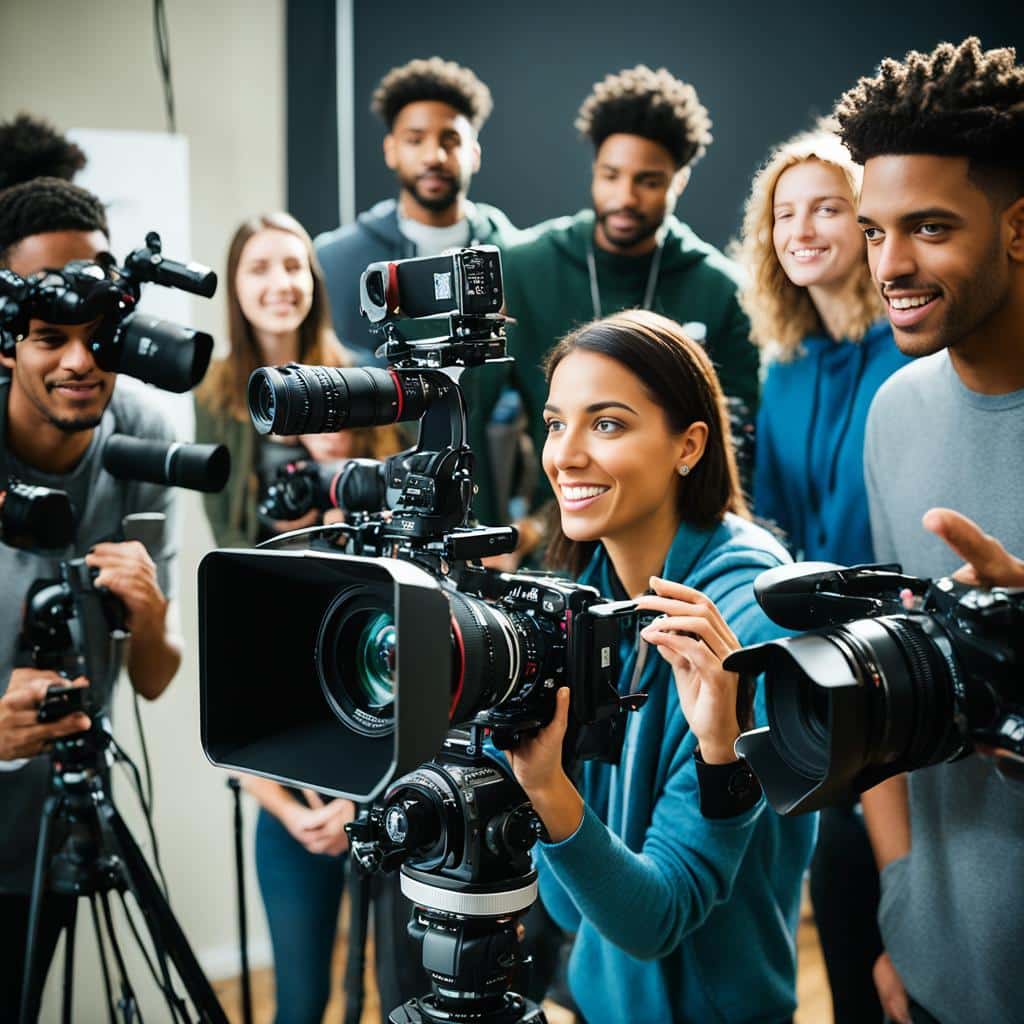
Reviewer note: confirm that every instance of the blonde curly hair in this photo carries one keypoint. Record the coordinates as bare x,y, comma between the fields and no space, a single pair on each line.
781,313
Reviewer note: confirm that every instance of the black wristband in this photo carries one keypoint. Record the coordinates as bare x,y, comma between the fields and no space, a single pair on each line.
726,790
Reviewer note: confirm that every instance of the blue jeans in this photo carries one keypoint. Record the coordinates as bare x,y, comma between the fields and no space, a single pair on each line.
302,896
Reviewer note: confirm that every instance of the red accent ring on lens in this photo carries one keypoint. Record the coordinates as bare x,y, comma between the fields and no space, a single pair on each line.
457,633
332,493
401,395
391,297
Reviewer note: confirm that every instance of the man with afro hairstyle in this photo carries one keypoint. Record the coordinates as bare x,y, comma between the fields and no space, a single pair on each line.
56,411
434,110
648,130
941,137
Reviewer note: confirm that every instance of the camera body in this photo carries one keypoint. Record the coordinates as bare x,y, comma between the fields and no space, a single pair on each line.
896,673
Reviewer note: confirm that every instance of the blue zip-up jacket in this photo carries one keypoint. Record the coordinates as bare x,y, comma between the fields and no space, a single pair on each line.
679,917
809,471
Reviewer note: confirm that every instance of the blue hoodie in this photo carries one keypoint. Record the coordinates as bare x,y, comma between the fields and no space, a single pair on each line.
809,471
679,917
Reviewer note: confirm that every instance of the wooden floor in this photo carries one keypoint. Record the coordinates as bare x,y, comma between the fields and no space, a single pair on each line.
812,989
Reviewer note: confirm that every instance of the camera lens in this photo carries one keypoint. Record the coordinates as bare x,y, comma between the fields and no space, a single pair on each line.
296,399
355,659
848,706
497,657
375,665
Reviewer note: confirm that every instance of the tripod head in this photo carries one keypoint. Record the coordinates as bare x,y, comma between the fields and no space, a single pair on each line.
460,828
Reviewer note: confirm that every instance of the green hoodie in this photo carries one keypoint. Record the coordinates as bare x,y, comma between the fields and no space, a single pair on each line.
547,291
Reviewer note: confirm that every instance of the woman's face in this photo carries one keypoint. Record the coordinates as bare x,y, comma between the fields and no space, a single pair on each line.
610,455
274,282
817,239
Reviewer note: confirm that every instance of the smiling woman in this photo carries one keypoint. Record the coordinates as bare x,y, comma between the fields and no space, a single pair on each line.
654,875
817,313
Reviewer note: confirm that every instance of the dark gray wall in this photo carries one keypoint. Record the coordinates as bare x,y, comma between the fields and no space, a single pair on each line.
762,69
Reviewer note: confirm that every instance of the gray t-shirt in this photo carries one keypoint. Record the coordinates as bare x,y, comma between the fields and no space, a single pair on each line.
100,502
952,912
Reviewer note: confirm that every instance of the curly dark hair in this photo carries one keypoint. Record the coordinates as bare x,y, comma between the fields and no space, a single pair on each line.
32,148
653,104
432,79
955,101
47,204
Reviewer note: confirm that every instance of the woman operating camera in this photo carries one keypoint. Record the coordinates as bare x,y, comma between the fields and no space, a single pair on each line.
681,886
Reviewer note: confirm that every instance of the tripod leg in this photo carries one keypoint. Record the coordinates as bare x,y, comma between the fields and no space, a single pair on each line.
102,951
69,965
129,1003
29,997
164,929
162,981
358,920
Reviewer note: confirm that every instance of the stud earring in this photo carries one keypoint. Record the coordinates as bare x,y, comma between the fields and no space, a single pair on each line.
684,469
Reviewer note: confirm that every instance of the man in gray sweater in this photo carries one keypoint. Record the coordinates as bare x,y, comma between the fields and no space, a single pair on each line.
942,209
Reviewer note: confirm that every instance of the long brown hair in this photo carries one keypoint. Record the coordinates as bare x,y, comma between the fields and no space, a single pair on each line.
225,389
678,375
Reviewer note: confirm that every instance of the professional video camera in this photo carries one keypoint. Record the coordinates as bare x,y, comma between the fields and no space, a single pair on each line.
156,351
901,673
378,651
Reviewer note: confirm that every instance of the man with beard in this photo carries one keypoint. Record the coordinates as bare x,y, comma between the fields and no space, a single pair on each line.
434,110
942,208
56,412
648,130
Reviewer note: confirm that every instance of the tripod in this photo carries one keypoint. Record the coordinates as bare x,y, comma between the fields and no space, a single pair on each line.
99,857
470,951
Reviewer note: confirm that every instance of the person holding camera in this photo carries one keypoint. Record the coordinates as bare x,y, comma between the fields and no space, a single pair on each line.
56,411
942,209
662,863
278,312
815,312
648,130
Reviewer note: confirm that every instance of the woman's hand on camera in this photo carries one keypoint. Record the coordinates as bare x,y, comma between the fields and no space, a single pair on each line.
320,827
537,765
694,639
21,733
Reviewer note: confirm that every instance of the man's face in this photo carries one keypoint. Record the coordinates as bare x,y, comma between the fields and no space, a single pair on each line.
936,247
433,151
635,187
53,367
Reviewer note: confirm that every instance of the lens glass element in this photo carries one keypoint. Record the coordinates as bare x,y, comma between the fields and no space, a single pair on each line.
356,659
376,661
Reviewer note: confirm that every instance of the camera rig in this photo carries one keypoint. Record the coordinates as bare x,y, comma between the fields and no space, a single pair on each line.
410,636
